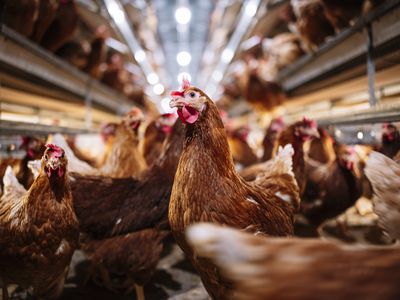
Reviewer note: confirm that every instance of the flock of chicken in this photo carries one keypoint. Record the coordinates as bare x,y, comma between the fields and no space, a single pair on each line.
120,210
304,26
56,25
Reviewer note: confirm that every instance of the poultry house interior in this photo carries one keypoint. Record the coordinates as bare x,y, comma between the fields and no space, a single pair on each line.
196,150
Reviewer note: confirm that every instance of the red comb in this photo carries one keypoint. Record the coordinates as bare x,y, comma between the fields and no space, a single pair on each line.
25,141
309,122
177,93
185,83
54,148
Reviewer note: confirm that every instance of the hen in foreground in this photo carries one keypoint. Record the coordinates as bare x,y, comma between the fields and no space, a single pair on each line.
39,230
276,268
384,175
207,187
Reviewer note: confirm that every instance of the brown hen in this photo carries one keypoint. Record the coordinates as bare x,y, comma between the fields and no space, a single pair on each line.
207,187
39,230
302,269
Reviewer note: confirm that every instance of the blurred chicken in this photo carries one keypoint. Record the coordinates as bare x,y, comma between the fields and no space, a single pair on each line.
296,135
207,187
390,140
34,148
155,135
384,175
76,53
20,15
63,27
259,87
331,188
321,149
115,76
302,269
125,159
97,55
242,153
341,13
311,23
283,49
125,219
39,230
47,13
271,135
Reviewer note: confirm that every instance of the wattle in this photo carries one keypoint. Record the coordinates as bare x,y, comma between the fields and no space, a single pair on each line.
188,115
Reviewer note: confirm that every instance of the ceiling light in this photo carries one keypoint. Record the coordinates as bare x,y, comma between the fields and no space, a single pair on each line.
158,89
227,55
183,58
217,75
251,9
152,78
116,12
183,75
360,135
140,56
183,15
338,132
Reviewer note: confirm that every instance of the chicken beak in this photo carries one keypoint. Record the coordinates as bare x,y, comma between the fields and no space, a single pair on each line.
177,102
313,132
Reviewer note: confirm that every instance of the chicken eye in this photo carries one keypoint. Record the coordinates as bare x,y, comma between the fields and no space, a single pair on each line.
46,157
192,94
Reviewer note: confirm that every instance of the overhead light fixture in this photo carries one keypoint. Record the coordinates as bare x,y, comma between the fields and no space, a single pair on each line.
183,75
183,15
227,55
116,12
117,45
338,132
251,8
360,135
217,75
152,78
140,55
183,58
158,89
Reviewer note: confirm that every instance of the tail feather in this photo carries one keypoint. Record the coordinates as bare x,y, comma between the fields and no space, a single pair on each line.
11,183
74,163
384,175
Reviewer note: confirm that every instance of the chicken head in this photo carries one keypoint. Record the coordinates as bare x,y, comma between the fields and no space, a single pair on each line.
189,101
54,161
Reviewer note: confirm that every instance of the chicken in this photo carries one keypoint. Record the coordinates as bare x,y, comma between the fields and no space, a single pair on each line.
259,86
125,159
321,149
207,187
283,49
34,148
125,219
47,13
390,140
74,163
302,269
341,13
12,189
20,15
271,136
107,134
155,135
331,188
39,230
296,134
97,55
114,75
63,27
76,53
311,23
242,153
384,175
